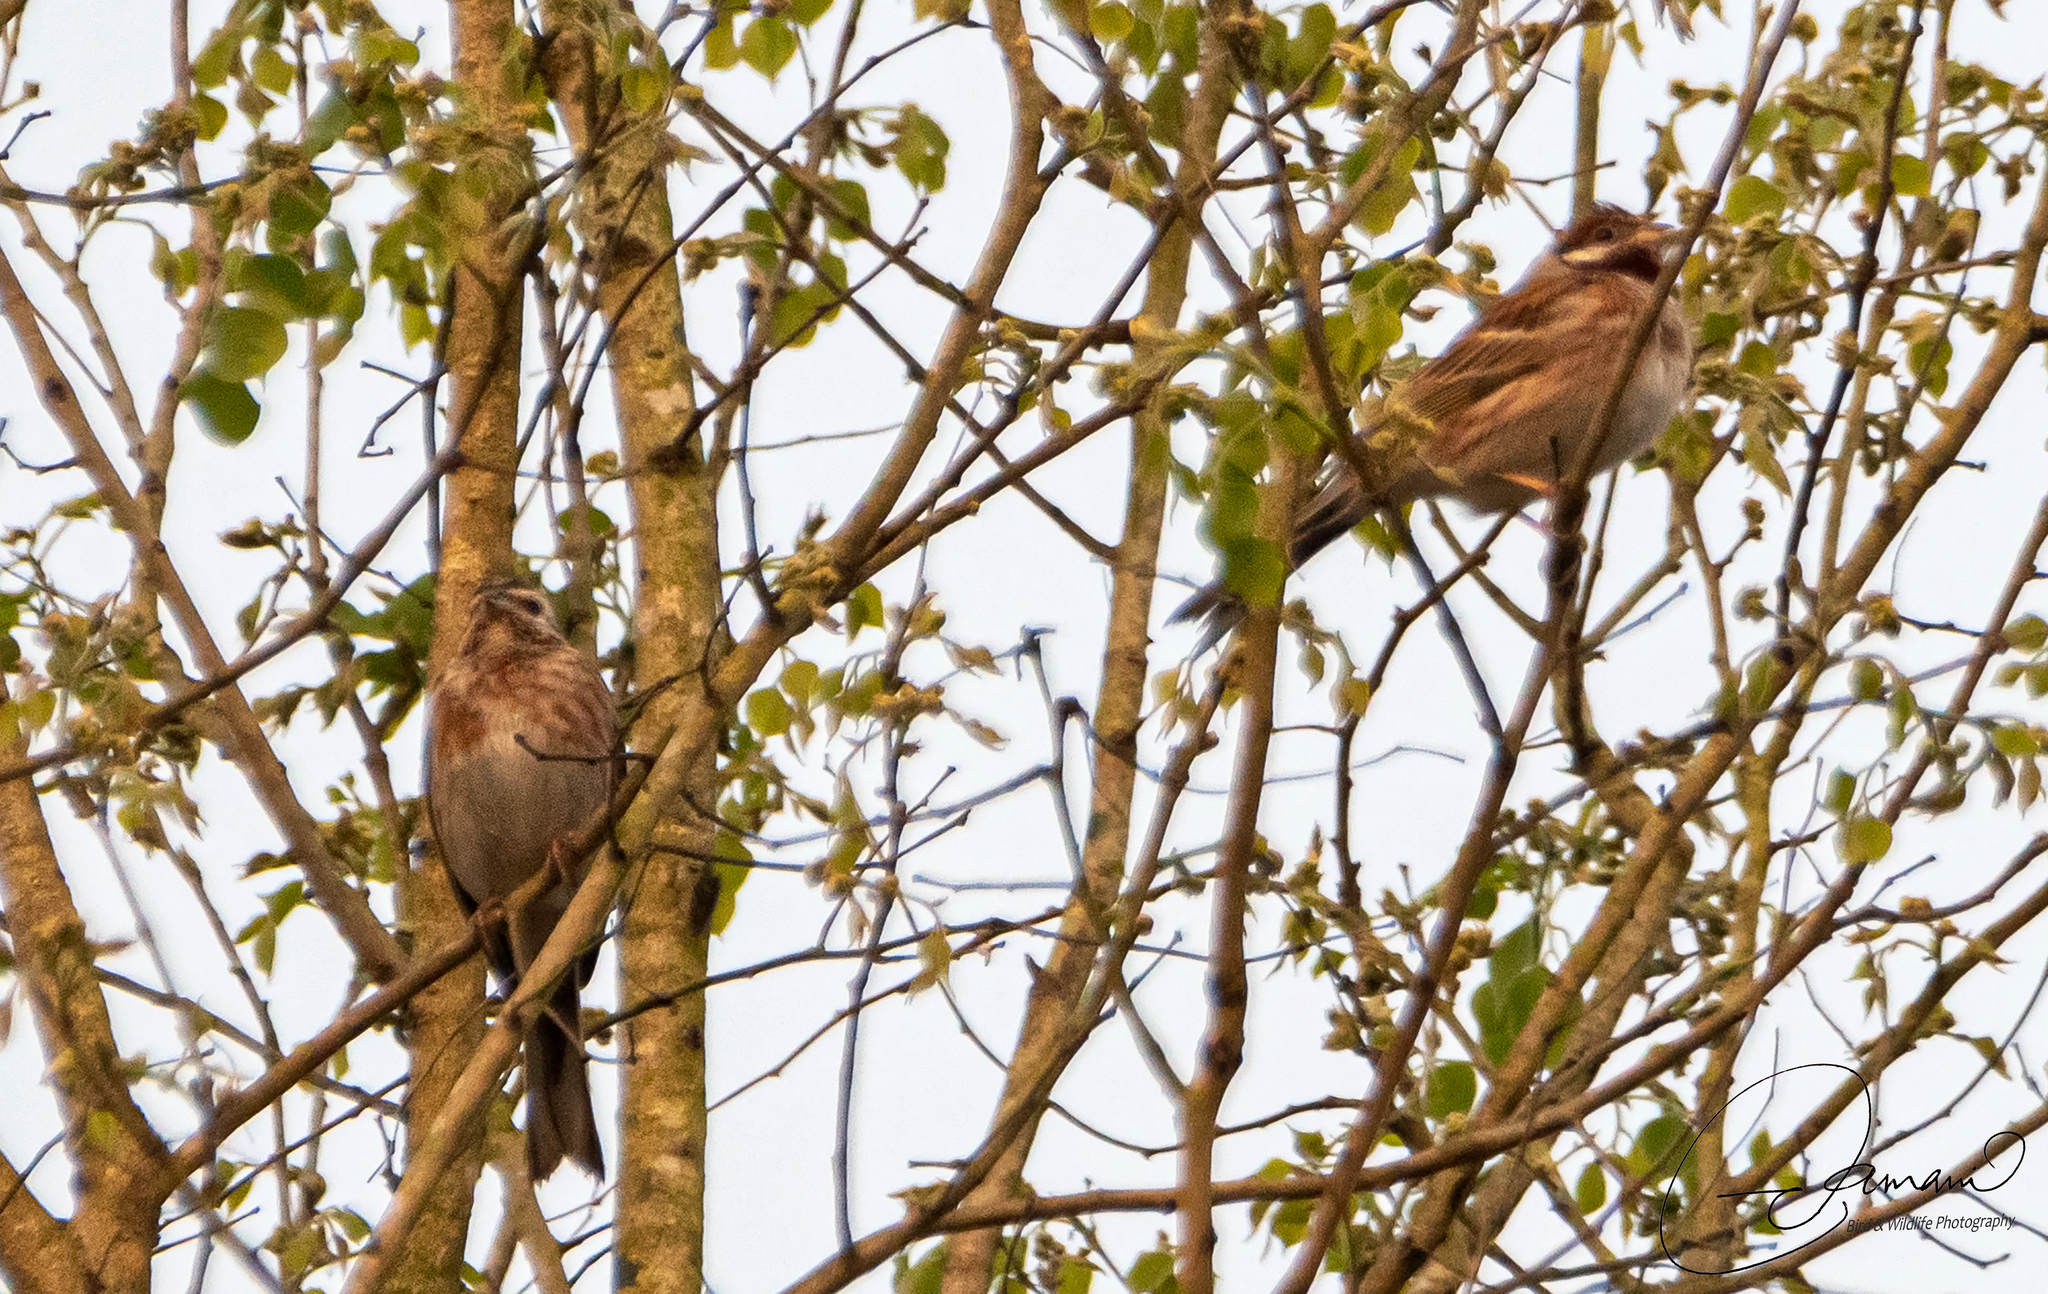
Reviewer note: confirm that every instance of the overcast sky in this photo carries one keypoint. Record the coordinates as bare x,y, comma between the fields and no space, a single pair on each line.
925,1090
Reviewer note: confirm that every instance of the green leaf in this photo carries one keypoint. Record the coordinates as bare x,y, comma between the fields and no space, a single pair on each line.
1966,154
273,284
1153,1274
2015,740
1902,710
1591,1192
415,325
1750,197
1484,900
281,901
1716,329
1759,451
799,681
243,343
1866,680
1991,1053
1840,794
731,875
213,115
1311,41
328,293
1928,361
1233,505
1762,126
721,51
177,271
851,196
381,44
863,608
859,696
1295,428
806,12
1167,105
1452,1087
1687,446
767,713
935,959
797,314
1378,330
210,69
1396,189
1864,840
351,1223
1514,953
339,253
1760,1147
1502,1007
328,122
1254,569
1909,176
1110,22
643,88
768,45
1182,34
297,211
271,71
227,412
925,1276
1760,682
2028,633
1659,1137
921,147
1849,169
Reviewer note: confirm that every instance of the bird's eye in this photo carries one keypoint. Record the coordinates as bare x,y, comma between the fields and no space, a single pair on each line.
1605,234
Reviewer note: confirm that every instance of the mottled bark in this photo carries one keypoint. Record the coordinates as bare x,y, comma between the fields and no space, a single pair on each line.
483,364
119,1159
625,223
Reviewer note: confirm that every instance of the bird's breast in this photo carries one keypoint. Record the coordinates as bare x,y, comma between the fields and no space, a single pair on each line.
521,759
1662,374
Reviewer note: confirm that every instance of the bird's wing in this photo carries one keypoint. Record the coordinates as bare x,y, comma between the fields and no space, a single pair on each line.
1526,359
1512,340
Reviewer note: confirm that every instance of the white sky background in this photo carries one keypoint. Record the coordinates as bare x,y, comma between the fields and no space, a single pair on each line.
924,1090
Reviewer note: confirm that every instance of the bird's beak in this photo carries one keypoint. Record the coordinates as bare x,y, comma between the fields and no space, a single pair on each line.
1663,240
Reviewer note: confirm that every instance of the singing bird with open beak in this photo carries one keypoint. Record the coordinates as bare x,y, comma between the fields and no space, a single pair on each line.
1509,407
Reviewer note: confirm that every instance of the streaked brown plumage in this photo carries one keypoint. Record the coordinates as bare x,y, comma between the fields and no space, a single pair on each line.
521,735
1509,405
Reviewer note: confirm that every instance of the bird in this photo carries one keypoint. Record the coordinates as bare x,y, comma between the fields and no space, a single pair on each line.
1507,410
521,735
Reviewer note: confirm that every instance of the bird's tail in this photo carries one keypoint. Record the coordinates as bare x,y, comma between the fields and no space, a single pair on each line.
559,1118
1215,608
1338,504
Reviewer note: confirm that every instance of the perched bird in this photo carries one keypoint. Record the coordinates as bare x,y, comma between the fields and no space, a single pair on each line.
519,760
1507,410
